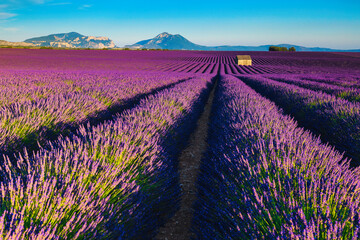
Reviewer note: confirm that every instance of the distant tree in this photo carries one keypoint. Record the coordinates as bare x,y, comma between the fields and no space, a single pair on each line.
273,48
278,49
292,49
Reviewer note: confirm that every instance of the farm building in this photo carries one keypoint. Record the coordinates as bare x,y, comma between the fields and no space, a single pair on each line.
244,60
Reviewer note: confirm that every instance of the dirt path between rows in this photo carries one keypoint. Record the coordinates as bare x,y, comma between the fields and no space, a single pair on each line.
179,226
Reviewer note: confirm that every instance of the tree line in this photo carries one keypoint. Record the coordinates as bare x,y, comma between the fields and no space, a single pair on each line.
281,49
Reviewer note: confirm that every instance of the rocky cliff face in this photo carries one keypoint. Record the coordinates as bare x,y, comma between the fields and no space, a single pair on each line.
16,44
72,40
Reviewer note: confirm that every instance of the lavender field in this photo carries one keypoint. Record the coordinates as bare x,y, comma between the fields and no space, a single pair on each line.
91,144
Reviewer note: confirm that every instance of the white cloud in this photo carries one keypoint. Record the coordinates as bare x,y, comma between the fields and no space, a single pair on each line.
85,6
5,15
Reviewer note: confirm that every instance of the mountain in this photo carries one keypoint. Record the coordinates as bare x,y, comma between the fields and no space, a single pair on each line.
15,44
178,42
71,40
167,41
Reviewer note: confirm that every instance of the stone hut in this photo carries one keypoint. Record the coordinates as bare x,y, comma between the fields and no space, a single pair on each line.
244,60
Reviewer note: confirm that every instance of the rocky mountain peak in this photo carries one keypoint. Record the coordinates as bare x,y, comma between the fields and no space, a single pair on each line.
163,35
72,40
166,40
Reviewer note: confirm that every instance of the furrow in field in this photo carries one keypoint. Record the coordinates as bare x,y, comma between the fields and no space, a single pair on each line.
198,68
185,67
194,67
179,226
210,68
204,68
178,66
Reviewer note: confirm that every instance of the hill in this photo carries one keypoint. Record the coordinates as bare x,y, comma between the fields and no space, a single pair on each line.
167,41
71,40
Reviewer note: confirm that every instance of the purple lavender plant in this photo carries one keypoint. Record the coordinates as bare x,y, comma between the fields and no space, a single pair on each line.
113,180
38,104
335,119
263,177
341,89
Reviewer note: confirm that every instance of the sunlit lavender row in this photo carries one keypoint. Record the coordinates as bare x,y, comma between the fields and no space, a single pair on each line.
349,79
117,179
38,104
263,177
349,93
335,119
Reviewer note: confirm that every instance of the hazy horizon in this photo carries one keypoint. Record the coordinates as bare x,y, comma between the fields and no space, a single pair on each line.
329,24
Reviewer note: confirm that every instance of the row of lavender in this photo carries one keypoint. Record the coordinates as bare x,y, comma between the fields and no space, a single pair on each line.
271,62
210,68
335,119
263,177
348,80
115,180
342,86
201,66
35,105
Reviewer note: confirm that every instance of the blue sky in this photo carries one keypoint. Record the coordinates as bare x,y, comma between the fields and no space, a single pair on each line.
334,24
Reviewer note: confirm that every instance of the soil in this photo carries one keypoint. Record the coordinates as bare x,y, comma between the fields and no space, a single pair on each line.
179,226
